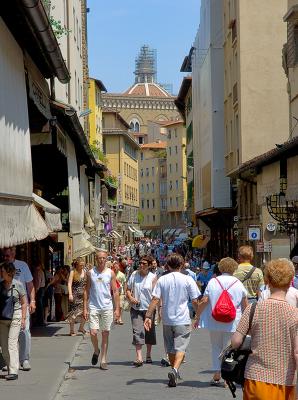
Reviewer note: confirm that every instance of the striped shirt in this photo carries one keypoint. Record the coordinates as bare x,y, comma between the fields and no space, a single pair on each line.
273,334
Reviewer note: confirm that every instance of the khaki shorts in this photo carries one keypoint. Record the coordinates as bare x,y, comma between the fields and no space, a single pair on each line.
101,319
176,338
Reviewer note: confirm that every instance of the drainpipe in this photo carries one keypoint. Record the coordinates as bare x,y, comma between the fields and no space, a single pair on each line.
40,24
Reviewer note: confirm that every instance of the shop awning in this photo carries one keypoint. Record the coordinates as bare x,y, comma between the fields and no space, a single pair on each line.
131,229
200,241
116,234
138,233
171,232
52,213
147,233
178,231
166,231
81,245
20,222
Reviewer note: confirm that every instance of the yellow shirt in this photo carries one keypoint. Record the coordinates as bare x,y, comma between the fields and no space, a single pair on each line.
252,284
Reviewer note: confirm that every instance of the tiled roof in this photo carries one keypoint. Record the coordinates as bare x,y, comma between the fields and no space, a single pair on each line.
169,123
154,145
147,90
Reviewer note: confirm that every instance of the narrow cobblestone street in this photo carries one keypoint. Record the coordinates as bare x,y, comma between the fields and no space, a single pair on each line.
148,382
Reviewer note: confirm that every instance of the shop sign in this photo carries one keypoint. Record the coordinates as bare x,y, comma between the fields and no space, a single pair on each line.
264,247
271,227
39,97
254,233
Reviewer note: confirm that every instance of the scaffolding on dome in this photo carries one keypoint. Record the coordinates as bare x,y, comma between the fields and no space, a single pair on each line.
146,65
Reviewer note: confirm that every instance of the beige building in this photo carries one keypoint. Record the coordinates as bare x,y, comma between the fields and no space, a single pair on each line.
256,116
251,63
96,88
152,201
176,177
122,152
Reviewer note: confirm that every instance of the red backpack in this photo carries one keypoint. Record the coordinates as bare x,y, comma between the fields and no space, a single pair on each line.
224,309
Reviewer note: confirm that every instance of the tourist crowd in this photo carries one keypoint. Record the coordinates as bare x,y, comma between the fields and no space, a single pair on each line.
156,283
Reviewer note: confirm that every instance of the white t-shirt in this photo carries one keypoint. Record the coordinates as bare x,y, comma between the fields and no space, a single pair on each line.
23,273
291,297
141,287
213,291
175,290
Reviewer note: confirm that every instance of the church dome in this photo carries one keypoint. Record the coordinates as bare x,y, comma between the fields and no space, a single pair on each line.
147,90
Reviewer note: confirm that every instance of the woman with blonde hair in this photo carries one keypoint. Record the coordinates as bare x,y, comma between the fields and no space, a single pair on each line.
221,332
270,371
76,285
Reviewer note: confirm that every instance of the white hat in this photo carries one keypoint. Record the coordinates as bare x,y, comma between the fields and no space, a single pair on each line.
206,265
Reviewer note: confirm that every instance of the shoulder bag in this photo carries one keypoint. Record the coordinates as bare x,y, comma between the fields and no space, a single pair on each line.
234,361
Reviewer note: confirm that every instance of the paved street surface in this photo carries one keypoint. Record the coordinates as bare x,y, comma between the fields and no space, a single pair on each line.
123,381
52,351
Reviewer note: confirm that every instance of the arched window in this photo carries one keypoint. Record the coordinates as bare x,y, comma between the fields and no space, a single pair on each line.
137,127
134,125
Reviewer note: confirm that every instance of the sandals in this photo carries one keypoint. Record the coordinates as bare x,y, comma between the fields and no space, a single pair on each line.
215,382
138,363
148,360
72,334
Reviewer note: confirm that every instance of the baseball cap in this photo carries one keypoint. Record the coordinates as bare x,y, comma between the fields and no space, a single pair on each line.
295,259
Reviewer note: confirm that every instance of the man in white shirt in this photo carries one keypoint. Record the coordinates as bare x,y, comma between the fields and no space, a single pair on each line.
174,291
98,305
23,274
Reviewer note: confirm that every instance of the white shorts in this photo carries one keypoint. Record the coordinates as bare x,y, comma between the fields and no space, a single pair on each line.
101,319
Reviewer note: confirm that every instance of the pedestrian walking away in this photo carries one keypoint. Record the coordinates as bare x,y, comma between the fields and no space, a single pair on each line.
98,305
173,291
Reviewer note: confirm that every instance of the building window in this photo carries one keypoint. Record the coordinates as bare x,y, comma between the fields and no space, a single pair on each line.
153,203
176,167
142,188
169,134
170,168
176,149
142,172
153,187
134,125
177,184
142,156
177,201
147,187
175,130
148,204
153,171
170,151
74,24
171,185
153,218
171,201
147,171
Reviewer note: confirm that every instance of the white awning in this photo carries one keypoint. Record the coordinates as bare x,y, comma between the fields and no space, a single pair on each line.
81,245
166,231
131,229
178,231
117,234
52,213
20,221
75,224
171,232
138,233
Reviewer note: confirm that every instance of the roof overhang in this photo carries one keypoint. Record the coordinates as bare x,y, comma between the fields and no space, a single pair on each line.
292,14
70,122
120,132
100,85
30,25
288,148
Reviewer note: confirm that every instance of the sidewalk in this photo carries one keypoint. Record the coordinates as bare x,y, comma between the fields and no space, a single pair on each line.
52,353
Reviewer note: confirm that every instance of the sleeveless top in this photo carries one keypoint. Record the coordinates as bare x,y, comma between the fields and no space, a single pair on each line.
100,297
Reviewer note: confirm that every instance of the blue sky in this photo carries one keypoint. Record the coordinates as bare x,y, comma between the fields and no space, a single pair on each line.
118,28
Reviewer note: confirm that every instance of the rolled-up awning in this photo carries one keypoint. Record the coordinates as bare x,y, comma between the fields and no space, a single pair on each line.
138,233
81,245
117,234
52,213
131,229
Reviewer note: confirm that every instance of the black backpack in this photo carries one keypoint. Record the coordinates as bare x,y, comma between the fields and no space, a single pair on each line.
234,361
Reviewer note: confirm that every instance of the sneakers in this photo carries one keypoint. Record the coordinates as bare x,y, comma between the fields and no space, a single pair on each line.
26,365
11,377
173,377
5,369
94,359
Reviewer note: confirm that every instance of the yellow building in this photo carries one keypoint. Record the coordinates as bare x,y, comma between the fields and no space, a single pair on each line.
96,88
176,177
152,202
121,151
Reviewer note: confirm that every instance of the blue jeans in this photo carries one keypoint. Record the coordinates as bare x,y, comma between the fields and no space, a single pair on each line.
25,340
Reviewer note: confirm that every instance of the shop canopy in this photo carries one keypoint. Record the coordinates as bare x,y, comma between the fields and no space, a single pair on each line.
131,229
171,232
138,233
81,245
51,212
200,241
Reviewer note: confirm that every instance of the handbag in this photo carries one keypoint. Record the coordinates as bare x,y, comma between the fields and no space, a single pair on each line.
234,360
7,306
126,304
